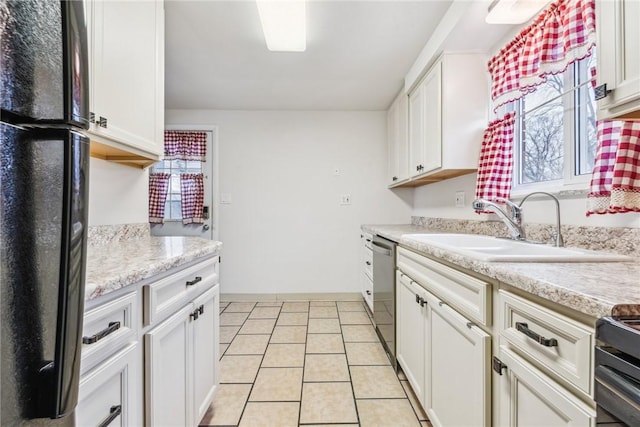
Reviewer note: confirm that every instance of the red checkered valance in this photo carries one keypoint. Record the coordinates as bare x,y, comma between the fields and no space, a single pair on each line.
562,34
185,145
192,194
615,183
158,188
496,159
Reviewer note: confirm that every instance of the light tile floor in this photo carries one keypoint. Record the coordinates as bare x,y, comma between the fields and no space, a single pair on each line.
306,364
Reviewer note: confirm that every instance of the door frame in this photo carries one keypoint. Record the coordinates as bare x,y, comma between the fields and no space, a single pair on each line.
215,184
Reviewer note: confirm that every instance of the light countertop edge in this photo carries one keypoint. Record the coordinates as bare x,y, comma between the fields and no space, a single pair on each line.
595,289
117,265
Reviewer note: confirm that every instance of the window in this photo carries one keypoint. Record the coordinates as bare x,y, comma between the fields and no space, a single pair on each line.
173,209
555,140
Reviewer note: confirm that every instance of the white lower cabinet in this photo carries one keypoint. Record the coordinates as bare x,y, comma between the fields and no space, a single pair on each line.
205,352
180,364
366,259
108,394
444,356
150,353
529,398
167,374
411,324
447,334
458,373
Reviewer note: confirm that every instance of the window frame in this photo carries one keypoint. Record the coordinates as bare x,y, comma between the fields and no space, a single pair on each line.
571,180
161,166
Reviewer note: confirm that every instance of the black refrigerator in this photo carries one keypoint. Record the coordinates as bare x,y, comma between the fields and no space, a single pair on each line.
44,184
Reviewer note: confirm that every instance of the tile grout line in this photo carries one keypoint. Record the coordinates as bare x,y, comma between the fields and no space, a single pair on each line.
244,407
353,392
304,364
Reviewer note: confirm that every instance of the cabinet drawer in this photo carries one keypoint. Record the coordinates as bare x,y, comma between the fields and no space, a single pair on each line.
367,291
167,295
568,349
107,329
470,296
107,394
368,262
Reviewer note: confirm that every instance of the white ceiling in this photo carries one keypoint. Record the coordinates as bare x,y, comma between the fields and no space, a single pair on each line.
358,53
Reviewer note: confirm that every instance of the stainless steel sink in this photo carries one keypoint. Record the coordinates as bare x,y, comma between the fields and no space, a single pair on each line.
487,248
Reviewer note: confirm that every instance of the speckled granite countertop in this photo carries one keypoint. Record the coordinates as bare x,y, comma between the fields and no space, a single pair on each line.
596,289
116,265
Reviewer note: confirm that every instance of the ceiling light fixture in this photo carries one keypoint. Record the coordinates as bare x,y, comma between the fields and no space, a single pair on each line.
513,11
283,24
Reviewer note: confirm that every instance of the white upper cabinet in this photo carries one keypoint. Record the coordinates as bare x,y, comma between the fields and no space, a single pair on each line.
398,140
618,56
425,149
126,56
447,115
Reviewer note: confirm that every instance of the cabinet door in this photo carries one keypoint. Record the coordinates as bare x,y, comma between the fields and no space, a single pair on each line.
168,374
127,55
205,351
416,131
398,139
618,56
458,371
529,398
109,392
410,327
433,119
392,142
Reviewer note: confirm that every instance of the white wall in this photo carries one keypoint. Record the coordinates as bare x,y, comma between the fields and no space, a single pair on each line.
438,200
284,230
117,194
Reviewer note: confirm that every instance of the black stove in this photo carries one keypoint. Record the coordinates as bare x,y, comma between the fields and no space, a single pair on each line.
617,370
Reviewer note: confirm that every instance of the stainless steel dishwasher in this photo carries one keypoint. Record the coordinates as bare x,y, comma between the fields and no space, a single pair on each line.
384,291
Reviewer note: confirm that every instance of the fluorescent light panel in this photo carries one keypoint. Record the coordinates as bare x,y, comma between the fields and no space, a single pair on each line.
513,11
284,24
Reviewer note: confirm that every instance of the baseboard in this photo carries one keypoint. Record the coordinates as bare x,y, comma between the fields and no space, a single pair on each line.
322,296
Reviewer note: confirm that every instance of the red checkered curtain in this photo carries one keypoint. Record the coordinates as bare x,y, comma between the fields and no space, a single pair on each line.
496,159
158,188
615,183
192,194
562,34
185,145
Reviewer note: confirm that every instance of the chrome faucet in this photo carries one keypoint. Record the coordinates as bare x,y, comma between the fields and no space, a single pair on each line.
557,237
514,224
514,220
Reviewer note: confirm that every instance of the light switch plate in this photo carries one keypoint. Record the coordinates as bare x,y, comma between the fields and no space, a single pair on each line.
459,199
225,198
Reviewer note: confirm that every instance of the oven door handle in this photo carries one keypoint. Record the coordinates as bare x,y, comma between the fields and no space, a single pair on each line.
377,247
620,382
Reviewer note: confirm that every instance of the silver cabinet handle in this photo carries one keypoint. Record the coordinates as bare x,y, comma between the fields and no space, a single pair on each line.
547,342
377,247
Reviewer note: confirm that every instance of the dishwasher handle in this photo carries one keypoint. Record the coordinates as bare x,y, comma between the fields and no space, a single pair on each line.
381,249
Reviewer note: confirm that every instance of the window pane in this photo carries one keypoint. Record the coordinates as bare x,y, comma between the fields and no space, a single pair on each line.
194,164
542,145
176,210
174,184
586,142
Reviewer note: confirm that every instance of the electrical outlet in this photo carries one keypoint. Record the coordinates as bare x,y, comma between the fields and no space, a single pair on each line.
459,199
345,199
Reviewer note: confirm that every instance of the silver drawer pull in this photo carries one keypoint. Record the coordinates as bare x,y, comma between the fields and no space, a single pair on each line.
113,326
114,412
547,342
